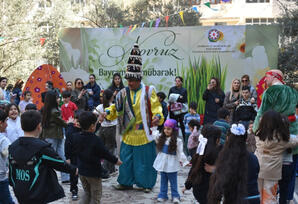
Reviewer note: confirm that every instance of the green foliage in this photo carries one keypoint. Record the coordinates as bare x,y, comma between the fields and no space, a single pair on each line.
288,53
142,11
198,74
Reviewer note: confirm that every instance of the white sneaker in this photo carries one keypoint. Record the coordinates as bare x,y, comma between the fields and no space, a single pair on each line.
176,200
161,200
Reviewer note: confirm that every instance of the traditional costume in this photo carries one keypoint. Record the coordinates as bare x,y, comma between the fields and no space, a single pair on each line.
282,99
135,110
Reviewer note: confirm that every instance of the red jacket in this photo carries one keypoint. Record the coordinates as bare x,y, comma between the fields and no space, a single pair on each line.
68,111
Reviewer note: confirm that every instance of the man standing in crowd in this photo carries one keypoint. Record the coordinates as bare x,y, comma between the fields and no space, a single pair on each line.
138,109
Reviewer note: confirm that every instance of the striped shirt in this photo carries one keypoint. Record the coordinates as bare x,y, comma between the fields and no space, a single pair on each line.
188,117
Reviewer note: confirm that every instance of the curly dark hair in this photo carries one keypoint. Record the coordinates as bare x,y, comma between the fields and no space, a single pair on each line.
230,178
173,142
272,125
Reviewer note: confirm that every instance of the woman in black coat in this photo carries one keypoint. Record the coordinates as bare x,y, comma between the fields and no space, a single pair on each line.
214,98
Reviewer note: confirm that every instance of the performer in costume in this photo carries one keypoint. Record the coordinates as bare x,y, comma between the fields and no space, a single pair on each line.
137,109
282,99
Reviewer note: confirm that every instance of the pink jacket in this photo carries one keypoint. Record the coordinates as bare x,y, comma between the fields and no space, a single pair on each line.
193,140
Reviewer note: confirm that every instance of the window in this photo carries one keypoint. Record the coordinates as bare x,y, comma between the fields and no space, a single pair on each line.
248,20
194,2
270,20
251,21
257,1
220,23
263,20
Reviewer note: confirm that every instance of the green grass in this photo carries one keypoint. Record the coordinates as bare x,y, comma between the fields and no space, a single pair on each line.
197,76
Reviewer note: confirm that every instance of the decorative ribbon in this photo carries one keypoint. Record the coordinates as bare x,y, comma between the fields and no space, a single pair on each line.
202,144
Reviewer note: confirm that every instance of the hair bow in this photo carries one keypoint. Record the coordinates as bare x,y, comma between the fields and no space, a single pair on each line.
202,144
238,129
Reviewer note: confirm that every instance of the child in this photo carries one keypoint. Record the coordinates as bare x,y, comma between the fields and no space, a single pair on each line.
30,106
273,138
207,152
25,102
161,97
235,177
193,140
5,196
13,129
32,162
90,150
170,149
223,115
107,130
52,127
68,108
72,130
192,115
245,111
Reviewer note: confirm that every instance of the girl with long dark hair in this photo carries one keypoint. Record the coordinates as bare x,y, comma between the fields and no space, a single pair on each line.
235,177
273,138
167,162
207,152
52,126
107,130
117,84
17,91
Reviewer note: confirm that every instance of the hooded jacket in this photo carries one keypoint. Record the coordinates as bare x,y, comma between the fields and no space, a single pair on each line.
31,171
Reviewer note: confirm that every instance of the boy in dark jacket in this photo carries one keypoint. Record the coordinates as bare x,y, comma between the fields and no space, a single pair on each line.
32,162
90,150
72,131
245,111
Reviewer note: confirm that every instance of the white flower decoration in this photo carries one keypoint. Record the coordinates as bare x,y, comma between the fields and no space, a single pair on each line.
238,129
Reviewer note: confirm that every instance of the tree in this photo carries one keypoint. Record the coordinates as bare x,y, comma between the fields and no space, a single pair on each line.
141,11
288,53
22,25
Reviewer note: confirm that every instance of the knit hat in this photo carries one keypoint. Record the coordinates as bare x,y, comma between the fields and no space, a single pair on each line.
134,64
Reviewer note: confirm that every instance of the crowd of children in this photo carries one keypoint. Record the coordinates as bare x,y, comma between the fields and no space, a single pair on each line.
230,162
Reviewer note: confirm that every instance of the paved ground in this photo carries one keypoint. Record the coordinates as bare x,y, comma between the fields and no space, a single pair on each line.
112,196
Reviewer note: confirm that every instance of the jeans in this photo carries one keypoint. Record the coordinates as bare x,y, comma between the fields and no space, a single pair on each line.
58,146
165,177
5,197
293,177
284,183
